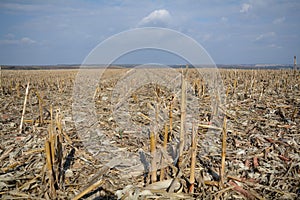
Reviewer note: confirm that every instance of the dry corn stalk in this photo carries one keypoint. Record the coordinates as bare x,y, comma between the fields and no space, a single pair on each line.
193,159
153,156
24,107
18,89
182,119
89,189
52,137
223,156
51,122
203,88
96,92
234,85
54,155
50,168
171,117
162,171
60,128
294,114
40,108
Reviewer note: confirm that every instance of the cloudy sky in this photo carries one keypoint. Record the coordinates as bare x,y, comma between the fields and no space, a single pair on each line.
231,31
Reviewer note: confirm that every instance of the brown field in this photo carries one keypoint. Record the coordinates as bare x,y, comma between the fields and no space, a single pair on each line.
249,150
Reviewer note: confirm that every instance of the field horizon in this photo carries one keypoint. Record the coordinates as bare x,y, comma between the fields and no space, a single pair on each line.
116,66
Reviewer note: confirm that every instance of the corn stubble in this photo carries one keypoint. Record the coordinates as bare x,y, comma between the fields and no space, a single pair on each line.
255,156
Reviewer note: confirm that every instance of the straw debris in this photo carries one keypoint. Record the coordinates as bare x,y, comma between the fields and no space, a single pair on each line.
252,154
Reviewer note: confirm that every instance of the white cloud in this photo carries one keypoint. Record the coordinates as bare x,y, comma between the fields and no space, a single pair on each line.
279,20
24,40
245,8
265,36
159,18
275,46
23,7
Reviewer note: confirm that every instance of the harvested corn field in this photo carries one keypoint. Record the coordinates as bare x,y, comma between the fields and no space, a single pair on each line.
149,141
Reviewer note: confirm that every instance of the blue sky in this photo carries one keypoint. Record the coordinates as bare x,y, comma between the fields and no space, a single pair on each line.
232,31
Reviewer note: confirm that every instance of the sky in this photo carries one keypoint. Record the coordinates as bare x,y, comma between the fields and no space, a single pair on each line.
35,32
